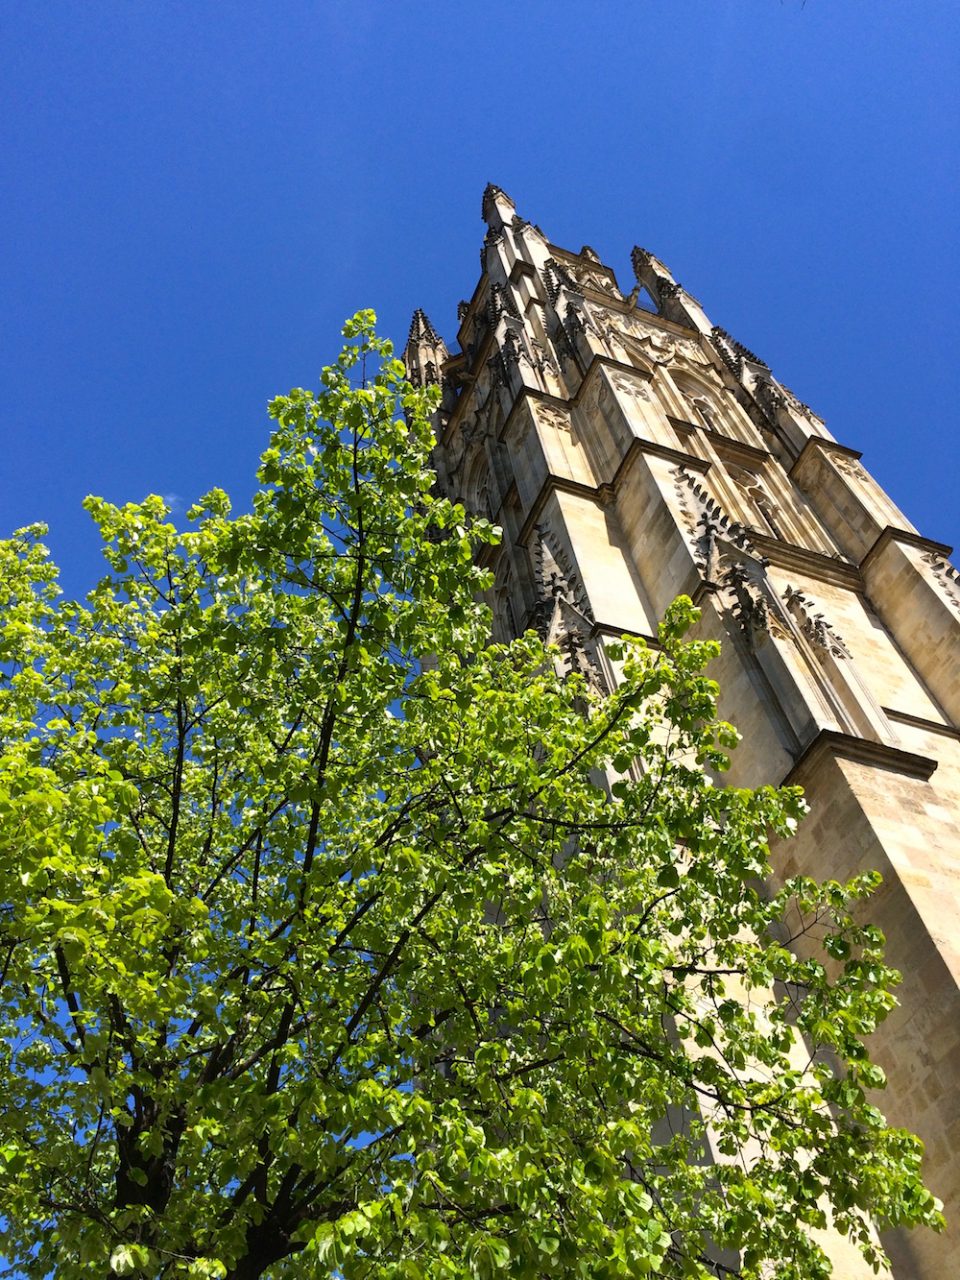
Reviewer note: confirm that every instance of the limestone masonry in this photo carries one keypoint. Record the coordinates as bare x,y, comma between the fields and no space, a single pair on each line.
632,451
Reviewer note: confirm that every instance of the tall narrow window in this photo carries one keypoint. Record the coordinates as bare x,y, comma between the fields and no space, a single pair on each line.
759,501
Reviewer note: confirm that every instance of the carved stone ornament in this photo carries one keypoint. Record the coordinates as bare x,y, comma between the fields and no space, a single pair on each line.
946,575
498,370
661,348
512,348
580,319
646,265
732,352
632,384
474,429
573,320
501,302
543,360
587,278
478,501
641,260
708,526
555,278
729,565
476,426
770,399
563,345
753,492
750,600
815,626
797,405
552,416
848,466
562,614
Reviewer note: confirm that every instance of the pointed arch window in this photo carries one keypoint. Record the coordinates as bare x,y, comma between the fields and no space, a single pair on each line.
504,610
701,407
752,488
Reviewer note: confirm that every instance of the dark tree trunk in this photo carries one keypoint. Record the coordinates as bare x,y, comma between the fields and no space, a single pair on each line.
266,1244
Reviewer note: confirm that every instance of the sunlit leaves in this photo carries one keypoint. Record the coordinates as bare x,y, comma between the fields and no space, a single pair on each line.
336,940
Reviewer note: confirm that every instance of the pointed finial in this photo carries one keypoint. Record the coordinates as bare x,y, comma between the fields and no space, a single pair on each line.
497,208
421,330
425,350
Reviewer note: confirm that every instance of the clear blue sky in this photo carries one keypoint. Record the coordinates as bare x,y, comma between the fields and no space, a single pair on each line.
196,194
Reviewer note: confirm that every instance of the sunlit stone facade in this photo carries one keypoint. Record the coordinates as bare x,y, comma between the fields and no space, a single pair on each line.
632,451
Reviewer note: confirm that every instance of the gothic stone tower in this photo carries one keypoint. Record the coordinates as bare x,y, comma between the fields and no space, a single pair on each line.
632,451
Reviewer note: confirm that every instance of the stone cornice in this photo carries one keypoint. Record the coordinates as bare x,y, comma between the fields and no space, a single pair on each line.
829,744
598,361
657,450
602,493
729,444
614,632
920,722
820,442
892,534
554,484
787,555
522,268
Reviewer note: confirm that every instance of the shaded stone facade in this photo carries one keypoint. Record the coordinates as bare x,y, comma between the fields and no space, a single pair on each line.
633,451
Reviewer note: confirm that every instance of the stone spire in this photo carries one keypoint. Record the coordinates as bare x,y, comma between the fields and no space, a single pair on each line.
425,351
497,209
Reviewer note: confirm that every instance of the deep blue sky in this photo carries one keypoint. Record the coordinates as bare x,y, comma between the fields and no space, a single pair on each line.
197,194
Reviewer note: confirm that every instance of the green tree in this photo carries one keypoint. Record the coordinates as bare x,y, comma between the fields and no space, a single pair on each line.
327,950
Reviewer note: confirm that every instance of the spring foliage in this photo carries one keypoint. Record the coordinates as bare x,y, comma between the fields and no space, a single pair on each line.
336,940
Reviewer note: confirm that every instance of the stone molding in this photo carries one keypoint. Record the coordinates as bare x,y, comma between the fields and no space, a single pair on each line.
522,268
814,443
553,484
824,568
892,534
601,493
921,722
614,632
739,450
829,744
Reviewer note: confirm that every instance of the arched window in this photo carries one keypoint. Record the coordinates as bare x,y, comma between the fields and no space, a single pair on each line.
752,488
701,407
504,609
704,410
476,493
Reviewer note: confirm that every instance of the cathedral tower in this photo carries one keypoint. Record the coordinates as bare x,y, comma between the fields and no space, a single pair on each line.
633,451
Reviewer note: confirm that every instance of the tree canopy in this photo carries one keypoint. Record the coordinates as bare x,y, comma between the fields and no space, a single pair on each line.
338,940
